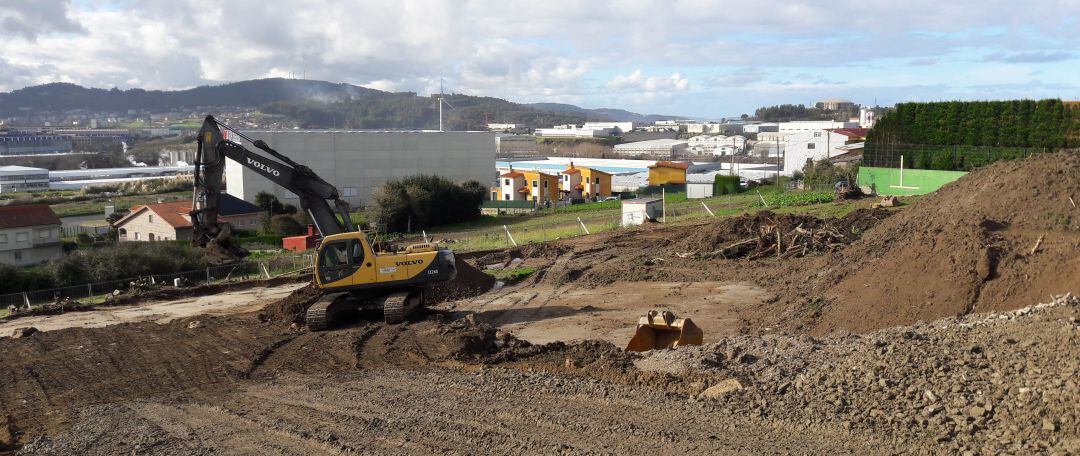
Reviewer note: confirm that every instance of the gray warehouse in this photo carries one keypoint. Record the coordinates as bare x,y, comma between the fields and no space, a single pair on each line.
358,162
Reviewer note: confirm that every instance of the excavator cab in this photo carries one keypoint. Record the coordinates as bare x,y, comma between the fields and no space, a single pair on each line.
353,276
662,329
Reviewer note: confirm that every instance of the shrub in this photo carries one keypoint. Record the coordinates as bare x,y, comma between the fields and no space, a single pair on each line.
424,201
724,185
286,225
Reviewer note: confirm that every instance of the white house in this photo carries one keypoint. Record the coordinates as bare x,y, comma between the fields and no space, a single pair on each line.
23,178
510,185
29,234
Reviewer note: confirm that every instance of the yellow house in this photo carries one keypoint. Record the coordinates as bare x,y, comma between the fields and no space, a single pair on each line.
541,186
585,183
665,172
595,183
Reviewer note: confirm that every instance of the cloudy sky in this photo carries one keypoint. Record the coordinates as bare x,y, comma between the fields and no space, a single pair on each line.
688,57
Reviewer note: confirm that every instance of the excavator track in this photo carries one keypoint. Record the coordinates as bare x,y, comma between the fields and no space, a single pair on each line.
399,305
320,315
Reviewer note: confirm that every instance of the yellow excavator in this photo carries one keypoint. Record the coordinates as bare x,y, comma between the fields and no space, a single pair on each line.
352,274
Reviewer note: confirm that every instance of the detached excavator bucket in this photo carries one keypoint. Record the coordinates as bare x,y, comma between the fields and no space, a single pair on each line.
662,329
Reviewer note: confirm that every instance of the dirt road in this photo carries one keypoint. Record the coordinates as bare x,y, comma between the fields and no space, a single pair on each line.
541,313
440,411
225,303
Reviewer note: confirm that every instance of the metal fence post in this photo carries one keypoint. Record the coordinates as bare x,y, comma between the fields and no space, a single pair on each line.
208,275
90,293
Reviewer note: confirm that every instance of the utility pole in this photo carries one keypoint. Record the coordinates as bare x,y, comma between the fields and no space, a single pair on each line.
778,163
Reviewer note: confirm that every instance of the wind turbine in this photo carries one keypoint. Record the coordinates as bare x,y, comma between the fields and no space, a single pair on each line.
441,101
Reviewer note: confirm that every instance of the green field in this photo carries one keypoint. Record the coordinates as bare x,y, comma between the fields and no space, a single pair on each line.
97,205
487,232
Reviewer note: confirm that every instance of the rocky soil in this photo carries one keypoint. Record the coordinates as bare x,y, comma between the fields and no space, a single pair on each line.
981,384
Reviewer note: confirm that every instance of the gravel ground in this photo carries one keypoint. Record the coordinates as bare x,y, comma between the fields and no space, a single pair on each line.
981,384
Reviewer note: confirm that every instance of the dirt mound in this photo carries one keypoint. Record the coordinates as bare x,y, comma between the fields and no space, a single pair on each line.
469,282
768,234
291,308
996,239
987,383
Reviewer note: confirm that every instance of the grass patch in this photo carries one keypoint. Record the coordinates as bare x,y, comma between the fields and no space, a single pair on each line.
510,276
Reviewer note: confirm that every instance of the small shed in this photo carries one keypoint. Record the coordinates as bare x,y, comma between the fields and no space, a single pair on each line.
699,190
639,210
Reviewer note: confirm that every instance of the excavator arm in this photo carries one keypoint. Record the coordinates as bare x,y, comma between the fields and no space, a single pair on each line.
213,148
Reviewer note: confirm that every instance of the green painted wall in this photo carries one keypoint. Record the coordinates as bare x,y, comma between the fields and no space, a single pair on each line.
924,180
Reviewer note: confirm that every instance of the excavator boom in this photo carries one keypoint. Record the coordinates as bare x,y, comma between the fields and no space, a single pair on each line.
214,148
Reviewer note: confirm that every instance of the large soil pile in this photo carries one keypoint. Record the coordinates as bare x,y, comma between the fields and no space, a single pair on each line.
969,247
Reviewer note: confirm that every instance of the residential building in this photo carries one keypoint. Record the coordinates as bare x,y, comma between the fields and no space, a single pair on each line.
666,172
541,186
813,125
358,162
618,127
665,148
573,131
22,179
172,221
834,104
29,235
585,183
511,187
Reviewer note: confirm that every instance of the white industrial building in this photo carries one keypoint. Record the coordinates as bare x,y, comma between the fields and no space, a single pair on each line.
667,148
501,126
22,179
813,145
358,162
516,145
573,131
716,145
617,127
834,104
760,128
813,125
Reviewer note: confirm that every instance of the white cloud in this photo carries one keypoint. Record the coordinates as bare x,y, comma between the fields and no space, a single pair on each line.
527,50
638,81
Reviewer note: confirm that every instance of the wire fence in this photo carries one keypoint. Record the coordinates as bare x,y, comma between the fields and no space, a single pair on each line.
97,292
542,229
946,158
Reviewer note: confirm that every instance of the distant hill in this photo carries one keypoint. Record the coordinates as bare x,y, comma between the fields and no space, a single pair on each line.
312,104
246,94
617,115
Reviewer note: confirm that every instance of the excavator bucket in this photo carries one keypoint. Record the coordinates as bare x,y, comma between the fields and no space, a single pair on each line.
662,329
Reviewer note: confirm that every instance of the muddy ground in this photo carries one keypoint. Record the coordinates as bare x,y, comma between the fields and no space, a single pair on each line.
886,331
